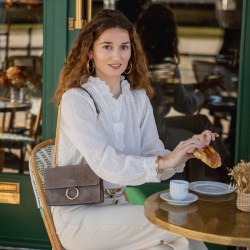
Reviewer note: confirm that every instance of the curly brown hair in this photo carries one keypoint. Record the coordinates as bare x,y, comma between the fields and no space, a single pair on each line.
75,71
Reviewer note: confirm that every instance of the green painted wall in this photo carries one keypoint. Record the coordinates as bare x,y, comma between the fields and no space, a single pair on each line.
243,111
55,49
21,224
57,41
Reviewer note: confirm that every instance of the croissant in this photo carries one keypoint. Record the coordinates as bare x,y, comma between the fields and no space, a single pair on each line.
209,156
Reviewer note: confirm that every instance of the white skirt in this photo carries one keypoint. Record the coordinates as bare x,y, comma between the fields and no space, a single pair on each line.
114,227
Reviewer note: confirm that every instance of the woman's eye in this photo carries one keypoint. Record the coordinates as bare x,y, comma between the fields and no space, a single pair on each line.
107,47
125,47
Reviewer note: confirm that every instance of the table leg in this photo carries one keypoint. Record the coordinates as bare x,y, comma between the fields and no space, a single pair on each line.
12,121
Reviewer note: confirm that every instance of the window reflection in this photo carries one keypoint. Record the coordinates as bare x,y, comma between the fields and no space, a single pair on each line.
209,45
21,48
209,34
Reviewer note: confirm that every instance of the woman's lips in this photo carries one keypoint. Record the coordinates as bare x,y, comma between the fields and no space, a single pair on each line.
115,66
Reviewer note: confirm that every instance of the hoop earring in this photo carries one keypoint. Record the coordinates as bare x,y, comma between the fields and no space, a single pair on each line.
90,66
129,68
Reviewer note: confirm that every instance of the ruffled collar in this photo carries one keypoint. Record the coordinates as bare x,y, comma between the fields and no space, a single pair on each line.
113,105
104,89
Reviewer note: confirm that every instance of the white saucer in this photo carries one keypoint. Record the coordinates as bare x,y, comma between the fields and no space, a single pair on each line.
190,199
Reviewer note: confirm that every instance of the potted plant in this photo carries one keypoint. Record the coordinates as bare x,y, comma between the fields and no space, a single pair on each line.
241,181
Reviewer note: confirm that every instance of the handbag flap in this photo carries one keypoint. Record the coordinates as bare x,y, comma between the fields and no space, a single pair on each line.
70,176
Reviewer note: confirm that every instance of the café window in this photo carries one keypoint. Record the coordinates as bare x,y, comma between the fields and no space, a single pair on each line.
21,49
208,34
209,45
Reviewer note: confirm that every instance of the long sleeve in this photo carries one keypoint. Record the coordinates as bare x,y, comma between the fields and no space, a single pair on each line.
151,144
129,163
79,123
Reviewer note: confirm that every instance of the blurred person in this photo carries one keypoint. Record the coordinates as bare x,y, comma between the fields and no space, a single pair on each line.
157,29
131,8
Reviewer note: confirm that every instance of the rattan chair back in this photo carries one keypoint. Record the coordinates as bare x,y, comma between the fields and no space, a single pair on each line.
41,158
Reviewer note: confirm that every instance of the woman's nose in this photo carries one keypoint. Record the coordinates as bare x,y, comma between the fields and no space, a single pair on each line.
116,54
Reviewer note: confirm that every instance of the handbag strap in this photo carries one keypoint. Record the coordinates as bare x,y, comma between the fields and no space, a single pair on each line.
55,158
96,106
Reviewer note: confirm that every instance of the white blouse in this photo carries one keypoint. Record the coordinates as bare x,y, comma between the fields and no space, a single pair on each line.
122,145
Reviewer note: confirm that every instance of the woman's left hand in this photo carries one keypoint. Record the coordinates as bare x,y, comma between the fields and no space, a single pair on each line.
205,137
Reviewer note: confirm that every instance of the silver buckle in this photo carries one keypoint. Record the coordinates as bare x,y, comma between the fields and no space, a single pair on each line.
74,197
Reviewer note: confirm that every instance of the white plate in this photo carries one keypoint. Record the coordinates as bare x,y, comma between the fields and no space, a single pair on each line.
190,199
210,187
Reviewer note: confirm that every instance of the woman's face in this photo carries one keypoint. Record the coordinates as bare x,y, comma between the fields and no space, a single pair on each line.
111,53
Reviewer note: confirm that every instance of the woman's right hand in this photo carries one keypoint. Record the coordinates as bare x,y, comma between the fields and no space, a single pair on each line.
182,153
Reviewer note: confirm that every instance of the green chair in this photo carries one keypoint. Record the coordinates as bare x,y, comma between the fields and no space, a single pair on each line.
138,194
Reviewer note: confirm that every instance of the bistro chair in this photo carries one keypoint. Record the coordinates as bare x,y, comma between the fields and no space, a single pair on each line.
41,158
164,73
208,77
21,141
4,93
163,78
4,40
212,84
3,115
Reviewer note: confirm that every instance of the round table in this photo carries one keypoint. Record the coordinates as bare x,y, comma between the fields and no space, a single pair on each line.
215,219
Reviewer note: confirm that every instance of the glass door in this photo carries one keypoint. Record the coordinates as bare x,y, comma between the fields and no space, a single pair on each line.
21,67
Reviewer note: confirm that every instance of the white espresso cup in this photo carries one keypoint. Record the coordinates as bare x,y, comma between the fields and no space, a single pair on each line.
178,189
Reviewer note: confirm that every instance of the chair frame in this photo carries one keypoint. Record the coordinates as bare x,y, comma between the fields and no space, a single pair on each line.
32,139
44,208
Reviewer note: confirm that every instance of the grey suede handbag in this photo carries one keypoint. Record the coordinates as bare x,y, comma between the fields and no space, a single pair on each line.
72,184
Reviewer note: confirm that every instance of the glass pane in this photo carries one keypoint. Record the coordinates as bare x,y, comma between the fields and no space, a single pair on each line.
206,63
21,48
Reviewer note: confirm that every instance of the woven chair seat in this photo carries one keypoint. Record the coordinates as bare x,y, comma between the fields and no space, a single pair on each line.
41,158
43,161
15,138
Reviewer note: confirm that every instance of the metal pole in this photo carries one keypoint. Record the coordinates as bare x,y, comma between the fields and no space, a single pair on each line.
89,10
78,23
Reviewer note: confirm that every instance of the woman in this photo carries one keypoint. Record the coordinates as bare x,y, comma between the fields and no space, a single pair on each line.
157,29
121,146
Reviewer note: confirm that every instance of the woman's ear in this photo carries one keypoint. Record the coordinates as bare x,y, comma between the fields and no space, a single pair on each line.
90,55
